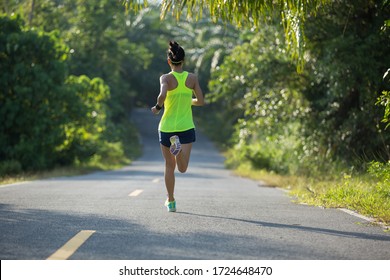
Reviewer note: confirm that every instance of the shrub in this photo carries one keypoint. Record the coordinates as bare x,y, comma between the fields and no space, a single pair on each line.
31,95
10,167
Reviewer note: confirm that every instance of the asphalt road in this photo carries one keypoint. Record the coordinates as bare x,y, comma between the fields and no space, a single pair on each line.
121,215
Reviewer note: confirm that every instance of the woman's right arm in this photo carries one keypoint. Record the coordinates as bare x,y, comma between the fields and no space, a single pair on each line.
163,94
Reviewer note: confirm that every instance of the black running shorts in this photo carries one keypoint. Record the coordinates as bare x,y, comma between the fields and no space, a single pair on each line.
185,137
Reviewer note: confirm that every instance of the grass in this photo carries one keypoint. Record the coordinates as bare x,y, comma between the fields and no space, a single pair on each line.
110,161
56,172
96,163
363,193
110,156
66,171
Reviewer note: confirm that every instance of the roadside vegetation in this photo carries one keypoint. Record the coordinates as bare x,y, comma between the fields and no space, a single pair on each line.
322,133
297,97
365,193
65,94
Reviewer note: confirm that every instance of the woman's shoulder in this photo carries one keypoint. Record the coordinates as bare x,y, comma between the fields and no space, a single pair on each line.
166,77
192,80
192,76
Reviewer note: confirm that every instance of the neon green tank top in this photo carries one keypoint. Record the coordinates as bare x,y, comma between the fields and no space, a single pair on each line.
177,115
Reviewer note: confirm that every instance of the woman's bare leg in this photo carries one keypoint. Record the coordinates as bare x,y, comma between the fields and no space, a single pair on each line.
169,174
183,158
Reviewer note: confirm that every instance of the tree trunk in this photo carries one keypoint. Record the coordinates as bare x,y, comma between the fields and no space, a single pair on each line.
31,15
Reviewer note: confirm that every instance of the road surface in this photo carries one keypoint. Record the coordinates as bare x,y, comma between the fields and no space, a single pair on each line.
121,215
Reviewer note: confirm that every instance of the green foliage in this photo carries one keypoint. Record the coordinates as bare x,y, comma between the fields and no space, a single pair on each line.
384,99
103,42
248,13
315,122
347,54
210,43
145,59
10,167
382,172
109,155
134,5
87,117
102,45
48,117
263,110
31,95
369,196
256,90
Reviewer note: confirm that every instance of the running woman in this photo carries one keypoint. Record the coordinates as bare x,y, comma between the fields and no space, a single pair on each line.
179,91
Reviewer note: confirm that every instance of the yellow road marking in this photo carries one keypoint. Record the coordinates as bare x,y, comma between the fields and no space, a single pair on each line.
136,193
72,245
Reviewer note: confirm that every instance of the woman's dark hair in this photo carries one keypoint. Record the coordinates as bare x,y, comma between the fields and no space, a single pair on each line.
176,53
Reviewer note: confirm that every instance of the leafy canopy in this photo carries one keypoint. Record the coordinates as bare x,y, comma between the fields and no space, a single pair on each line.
247,13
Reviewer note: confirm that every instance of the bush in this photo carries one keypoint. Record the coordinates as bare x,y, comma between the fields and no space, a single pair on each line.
86,118
31,95
10,167
321,120
47,117
382,172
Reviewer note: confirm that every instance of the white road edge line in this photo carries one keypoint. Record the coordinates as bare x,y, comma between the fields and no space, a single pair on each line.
353,213
136,193
70,247
368,219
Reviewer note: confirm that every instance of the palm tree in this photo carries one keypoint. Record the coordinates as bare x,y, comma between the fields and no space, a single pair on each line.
209,43
248,13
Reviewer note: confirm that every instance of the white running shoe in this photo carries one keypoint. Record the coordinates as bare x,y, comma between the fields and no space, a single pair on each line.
175,145
171,205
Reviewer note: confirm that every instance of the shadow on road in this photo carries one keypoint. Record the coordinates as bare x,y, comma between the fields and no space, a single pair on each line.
299,227
36,234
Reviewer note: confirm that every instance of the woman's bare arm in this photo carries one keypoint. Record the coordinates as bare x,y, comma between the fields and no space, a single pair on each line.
199,98
163,94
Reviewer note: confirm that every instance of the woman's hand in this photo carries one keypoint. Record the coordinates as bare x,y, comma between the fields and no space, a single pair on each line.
155,110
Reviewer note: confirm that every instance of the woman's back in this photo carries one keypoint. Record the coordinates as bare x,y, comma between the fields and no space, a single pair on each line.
178,104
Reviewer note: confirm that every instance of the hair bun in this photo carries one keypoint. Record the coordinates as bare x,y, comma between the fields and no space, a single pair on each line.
176,53
173,47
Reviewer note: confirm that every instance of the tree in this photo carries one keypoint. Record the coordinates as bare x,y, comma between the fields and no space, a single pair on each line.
258,104
252,13
347,56
102,43
286,122
86,124
49,118
97,49
384,99
206,44
31,95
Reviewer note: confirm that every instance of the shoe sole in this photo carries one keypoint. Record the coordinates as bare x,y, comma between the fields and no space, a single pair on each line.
175,145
